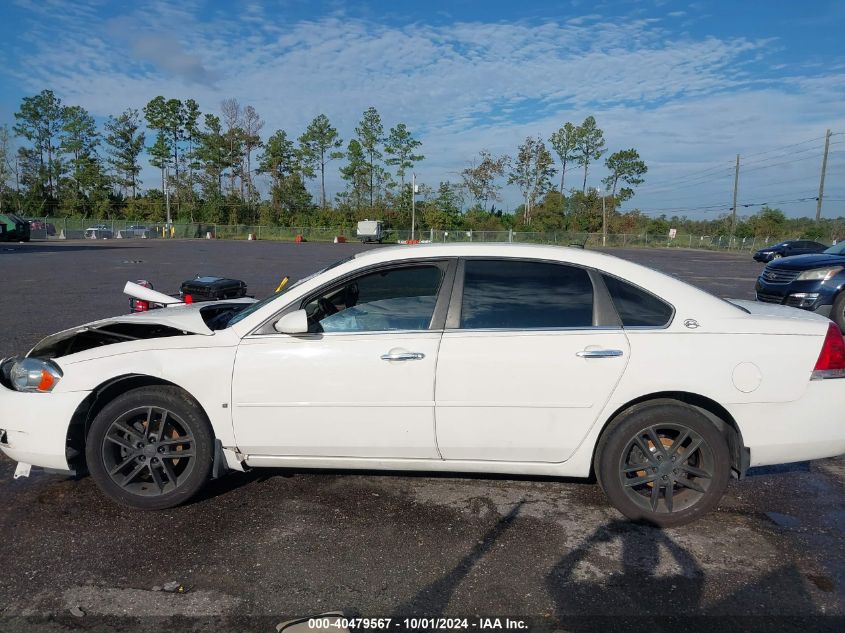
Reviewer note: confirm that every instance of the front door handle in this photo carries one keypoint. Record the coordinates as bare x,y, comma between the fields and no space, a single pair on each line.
599,353
403,356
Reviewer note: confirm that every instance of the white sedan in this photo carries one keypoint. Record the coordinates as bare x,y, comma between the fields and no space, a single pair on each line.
530,360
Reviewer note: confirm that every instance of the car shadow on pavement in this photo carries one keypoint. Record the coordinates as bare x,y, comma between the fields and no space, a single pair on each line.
792,467
654,589
433,599
233,480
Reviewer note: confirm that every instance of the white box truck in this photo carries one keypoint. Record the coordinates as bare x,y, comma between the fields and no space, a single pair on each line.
370,231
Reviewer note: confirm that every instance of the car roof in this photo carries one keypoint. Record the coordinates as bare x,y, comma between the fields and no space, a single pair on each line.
687,299
480,249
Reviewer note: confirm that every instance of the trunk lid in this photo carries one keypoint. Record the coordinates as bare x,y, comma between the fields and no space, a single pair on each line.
771,318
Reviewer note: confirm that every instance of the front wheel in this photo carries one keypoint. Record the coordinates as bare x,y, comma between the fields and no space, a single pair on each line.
664,464
151,448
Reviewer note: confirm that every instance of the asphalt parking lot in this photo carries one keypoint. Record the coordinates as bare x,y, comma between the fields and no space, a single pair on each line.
262,547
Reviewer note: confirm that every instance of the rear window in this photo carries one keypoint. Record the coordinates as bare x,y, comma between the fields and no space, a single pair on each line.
636,307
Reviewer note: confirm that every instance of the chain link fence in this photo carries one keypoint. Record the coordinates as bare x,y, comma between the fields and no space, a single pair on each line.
598,240
80,228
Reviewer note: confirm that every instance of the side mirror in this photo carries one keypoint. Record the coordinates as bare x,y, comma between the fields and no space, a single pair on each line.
292,323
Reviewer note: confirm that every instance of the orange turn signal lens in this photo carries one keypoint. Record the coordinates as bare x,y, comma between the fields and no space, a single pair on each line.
47,381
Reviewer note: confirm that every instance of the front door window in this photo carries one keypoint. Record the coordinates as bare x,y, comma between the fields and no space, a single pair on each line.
393,299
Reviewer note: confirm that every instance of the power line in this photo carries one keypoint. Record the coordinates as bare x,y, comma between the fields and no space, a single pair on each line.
692,183
777,149
788,162
705,174
696,177
726,207
728,172
722,166
814,151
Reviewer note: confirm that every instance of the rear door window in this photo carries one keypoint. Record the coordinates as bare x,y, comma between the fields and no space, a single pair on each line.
516,294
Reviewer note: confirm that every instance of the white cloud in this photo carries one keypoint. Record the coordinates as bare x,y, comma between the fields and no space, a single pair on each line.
684,103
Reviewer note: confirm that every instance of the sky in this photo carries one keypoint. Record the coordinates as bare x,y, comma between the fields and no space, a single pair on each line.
688,84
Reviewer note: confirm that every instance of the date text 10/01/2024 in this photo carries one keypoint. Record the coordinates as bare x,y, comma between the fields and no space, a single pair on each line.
447,624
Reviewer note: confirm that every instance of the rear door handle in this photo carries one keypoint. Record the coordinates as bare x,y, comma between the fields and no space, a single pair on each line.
403,356
599,353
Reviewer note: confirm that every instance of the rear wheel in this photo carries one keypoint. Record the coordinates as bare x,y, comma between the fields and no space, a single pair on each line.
665,464
151,448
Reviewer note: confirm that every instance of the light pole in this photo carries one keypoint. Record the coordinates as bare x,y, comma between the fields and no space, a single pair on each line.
413,203
167,193
603,219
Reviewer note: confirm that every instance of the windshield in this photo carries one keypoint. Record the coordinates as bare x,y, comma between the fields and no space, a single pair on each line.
240,316
836,249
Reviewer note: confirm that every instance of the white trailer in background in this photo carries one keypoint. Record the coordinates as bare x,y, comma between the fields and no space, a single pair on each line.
370,231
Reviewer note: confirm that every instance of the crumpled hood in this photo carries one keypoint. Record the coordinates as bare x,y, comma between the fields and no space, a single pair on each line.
169,321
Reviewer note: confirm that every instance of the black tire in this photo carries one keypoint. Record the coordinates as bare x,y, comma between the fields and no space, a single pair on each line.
151,448
837,312
651,480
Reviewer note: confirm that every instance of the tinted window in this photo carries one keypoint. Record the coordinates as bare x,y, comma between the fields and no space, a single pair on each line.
636,307
391,299
517,294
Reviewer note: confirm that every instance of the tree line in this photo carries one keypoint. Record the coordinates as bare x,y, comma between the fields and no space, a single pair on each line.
55,161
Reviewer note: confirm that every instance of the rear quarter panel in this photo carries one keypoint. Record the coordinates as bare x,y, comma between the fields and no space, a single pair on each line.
719,366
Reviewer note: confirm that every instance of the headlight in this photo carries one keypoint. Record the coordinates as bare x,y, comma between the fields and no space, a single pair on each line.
819,274
35,375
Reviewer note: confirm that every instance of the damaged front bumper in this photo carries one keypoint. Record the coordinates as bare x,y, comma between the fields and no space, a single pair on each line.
34,427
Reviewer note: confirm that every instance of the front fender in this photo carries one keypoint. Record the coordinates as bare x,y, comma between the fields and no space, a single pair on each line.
204,372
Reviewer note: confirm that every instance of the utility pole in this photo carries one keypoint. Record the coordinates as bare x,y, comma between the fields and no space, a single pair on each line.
413,202
821,180
736,190
603,218
167,193
603,221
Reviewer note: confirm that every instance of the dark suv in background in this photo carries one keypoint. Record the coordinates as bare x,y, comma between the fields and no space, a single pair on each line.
788,249
809,282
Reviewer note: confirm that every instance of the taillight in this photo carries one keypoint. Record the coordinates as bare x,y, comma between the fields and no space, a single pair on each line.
831,362
139,305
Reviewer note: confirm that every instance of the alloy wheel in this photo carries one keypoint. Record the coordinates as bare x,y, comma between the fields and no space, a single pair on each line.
666,468
149,451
